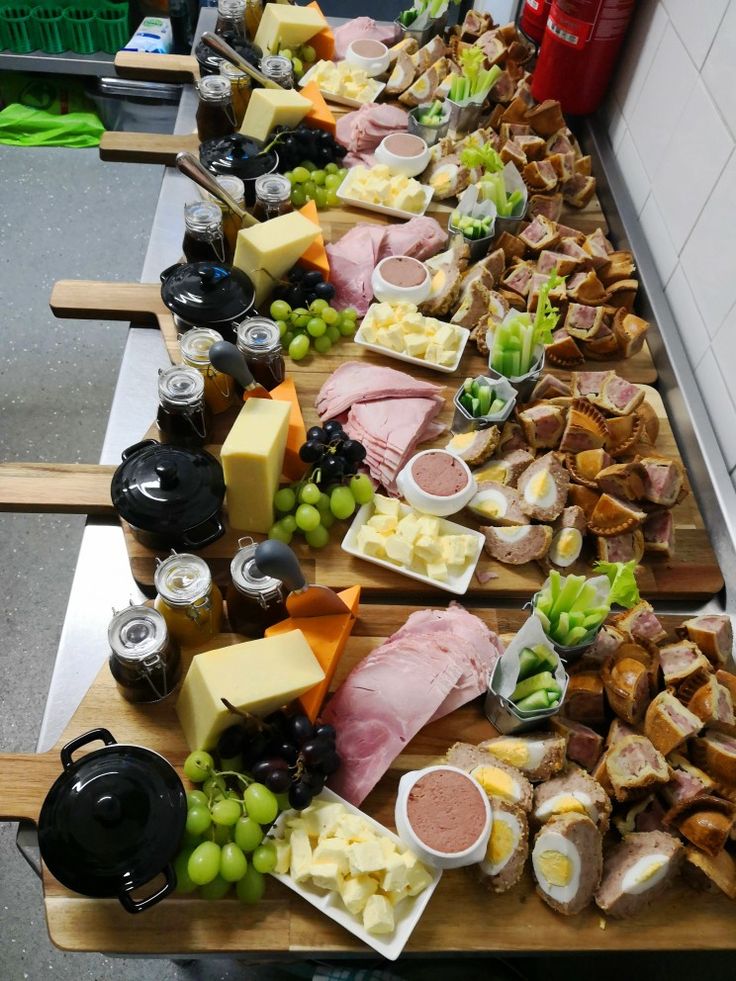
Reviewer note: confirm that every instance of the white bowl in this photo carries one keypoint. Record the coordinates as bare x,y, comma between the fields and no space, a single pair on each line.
409,164
388,292
440,860
441,506
375,63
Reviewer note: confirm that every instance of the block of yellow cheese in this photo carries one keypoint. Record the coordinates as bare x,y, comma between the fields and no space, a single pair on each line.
269,108
284,26
258,676
267,251
252,457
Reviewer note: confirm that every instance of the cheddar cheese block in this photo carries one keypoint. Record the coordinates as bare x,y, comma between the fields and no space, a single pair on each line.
316,255
268,250
258,677
284,26
252,458
294,466
320,116
269,108
327,637
324,41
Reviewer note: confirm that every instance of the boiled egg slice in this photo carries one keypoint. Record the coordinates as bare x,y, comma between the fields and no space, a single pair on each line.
556,864
525,754
567,802
645,873
514,533
541,491
489,504
566,547
506,835
498,783
496,470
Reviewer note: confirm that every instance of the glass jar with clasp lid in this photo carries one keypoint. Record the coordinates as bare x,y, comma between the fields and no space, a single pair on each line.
215,116
231,18
240,89
255,601
144,658
183,418
231,223
188,600
203,232
278,69
259,341
273,197
219,390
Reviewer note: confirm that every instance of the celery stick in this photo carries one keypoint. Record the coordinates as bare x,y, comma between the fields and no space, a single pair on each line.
538,700
568,594
543,619
542,680
515,365
555,585
563,624
586,596
595,617
526,350
575,636
576,618
543,603
554,703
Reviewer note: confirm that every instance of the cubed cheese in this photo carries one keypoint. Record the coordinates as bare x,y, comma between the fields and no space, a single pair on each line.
351,827
386,505
269,108
396,876
399,550
383,523
415,345
252,457
409,528
327,817
453,549
257,677
326,875
301,856
335,850
419,879
283,856
356,891
267,251
378,915
428,549
366,856
429,526
437,570
370,541
284,26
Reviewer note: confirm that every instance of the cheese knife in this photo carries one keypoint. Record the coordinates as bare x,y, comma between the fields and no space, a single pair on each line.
227,359
221,47
188,165
278,560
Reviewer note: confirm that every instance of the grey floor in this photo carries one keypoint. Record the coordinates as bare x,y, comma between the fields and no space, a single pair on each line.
63,214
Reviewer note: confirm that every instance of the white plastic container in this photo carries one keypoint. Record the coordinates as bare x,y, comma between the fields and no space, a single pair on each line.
370,55
440,860
386,291
440,505
403,153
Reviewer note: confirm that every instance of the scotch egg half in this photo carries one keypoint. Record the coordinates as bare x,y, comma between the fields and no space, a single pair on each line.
566,547
567,802
541,491
556,863
645,873
507,835
498,783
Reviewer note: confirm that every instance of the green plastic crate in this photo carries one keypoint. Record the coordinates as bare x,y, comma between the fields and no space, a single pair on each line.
18,28
49,23
80,28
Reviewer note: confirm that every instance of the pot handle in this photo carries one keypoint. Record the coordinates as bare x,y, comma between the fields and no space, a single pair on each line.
168,271
130,450
88,737
139,905
206,536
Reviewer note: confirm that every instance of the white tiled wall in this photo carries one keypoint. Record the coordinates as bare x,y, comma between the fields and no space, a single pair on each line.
671,119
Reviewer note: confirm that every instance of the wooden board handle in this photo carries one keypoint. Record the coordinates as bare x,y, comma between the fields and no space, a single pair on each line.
56,488
151,148
25,779
164,68
84,299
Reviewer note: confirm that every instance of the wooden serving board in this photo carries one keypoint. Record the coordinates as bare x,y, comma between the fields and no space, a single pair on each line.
143,66
462,915
692,573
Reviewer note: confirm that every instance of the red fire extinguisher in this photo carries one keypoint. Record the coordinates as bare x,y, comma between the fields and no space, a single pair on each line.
533,17
579,48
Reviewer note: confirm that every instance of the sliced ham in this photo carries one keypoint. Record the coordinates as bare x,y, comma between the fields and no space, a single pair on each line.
360,28
438,661
361,131
360,381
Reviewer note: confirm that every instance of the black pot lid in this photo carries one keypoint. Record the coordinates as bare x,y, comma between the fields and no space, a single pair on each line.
210,60
237,155
207,293
113,820
167,489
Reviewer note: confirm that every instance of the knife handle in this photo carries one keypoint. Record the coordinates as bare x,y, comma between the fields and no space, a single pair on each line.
220,46
278,560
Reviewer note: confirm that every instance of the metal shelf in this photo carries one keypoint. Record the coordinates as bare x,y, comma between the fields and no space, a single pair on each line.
67,63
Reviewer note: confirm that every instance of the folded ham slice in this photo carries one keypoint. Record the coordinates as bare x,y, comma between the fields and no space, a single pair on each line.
361,131
439,660
354,257
363,27
360,381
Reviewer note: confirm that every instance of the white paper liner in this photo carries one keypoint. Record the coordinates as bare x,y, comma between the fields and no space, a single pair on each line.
506,671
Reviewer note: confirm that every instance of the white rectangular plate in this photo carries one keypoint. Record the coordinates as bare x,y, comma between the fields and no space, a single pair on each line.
329,903
342,100
390,353
455,584
383,209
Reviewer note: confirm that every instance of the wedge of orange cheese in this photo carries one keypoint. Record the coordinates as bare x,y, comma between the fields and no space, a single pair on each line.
320,115
324,41
293,466
327,637
316,255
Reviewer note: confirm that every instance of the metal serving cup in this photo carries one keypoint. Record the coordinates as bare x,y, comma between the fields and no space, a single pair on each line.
430,133
469,204
464,118
569,654
424,35
513,181
463,422
504,715
524,384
